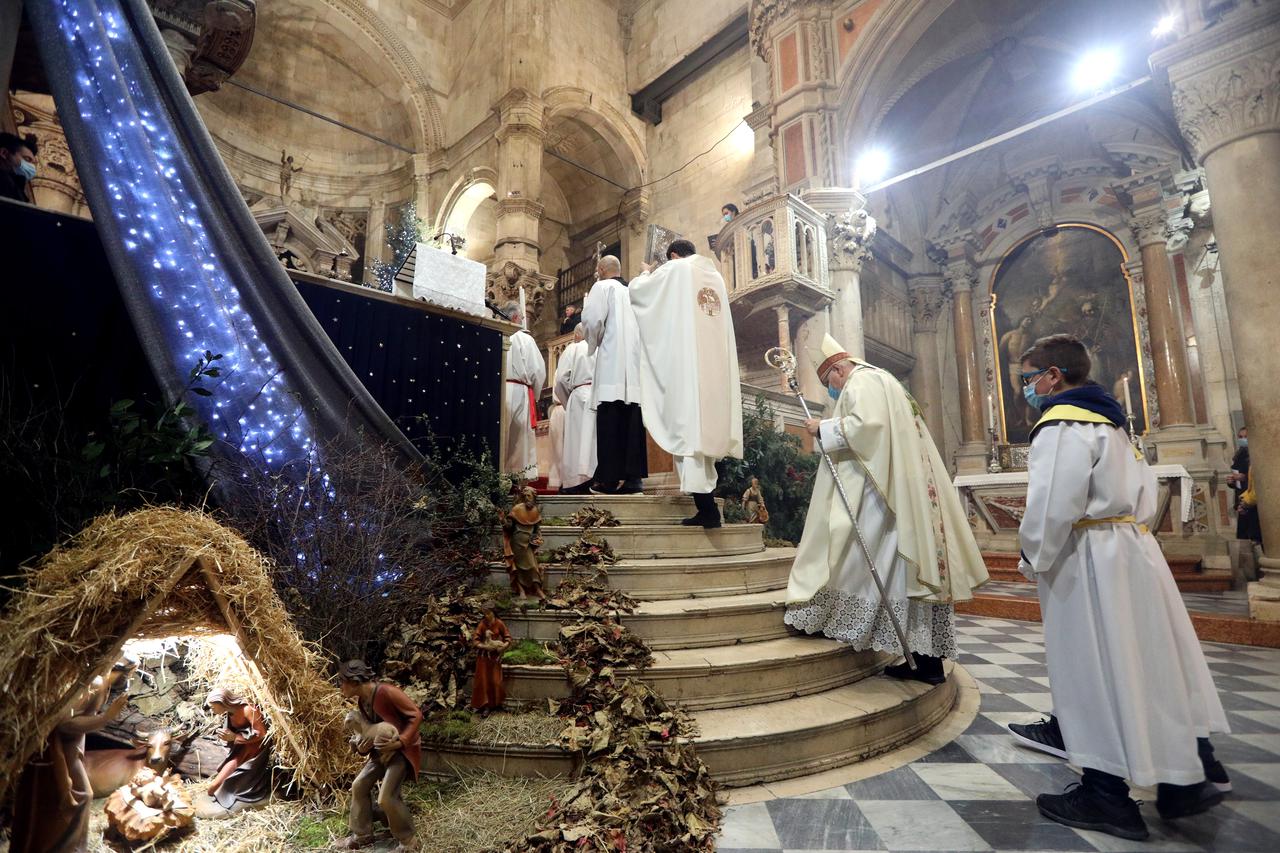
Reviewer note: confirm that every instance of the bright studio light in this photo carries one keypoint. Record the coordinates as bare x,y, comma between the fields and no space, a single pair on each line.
1164,26
1096,69
743,138
872,166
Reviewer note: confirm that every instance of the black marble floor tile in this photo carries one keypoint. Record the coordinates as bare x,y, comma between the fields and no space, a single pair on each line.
952,752
985,726
1242,725
1235,669
1229,750
1036,779
1026,669
1236,702
1017,825
1225,830
1015,685
822,825
900,784
1000,702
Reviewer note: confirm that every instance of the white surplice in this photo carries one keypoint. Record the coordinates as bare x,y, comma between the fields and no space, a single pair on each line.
555,445
574,372
526,369
613,338
1131,689
692,397
909,516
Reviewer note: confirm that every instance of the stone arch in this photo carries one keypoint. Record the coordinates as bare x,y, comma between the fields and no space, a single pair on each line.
426,109
572,102
471,195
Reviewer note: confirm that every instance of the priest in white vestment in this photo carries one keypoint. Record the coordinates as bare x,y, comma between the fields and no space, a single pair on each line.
1131,690
613,339
910,518
525,374
689,381
574,373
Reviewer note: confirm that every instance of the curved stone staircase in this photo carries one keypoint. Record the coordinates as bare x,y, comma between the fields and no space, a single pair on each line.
770,704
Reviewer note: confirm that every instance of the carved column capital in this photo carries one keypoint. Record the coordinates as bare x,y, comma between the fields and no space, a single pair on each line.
766,13
959,276
1225,79
849,237
521,112
1149,225
927,302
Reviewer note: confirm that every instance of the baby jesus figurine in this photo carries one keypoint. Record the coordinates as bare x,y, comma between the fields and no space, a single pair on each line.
491,639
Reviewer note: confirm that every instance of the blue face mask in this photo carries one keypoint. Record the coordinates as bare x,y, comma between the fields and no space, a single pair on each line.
27,170
1242,443
833,392
1034,400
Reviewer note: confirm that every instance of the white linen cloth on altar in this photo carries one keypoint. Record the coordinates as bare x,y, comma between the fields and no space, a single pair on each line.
1161,472
1131,689
449,281
525,375
689,379
574,372
614,340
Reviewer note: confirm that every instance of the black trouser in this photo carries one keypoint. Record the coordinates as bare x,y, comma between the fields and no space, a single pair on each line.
1114,786
621,453
706,504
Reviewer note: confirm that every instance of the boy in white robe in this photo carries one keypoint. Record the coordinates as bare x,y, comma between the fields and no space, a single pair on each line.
907,512
1131,689
689,381
526,372
574,373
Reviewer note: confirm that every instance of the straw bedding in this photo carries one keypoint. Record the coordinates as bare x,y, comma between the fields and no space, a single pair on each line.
153,573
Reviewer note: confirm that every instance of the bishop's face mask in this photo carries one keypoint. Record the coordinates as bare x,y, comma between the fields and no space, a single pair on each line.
833,392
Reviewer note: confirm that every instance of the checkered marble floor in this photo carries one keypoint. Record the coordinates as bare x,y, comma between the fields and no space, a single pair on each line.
1228,603
978,792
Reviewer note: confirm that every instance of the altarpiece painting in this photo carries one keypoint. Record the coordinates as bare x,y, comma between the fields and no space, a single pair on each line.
1068,279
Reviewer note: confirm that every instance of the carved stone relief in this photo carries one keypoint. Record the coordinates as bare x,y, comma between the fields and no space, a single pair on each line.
1230,101
208,39
850,235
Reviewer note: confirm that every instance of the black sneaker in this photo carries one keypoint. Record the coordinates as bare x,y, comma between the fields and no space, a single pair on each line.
1082,808
1044,736
710,522
1175,801
1217,775
928,669
631,487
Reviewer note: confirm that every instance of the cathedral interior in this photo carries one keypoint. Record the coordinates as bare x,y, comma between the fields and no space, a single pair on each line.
935,183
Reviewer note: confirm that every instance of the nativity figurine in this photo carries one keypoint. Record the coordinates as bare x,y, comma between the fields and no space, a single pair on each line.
491,640
244,778
753,503
521,538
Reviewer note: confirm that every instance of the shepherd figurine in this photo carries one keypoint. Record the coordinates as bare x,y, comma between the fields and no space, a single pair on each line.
521,537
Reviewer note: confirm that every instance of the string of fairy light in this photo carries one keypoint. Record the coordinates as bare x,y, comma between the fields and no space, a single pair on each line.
153,190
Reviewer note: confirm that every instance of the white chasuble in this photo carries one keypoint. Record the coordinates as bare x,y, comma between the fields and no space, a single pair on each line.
614,341
525,375
910,518
1131,688
690,386
574,372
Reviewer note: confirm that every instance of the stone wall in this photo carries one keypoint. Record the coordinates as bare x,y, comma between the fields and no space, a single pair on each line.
664,31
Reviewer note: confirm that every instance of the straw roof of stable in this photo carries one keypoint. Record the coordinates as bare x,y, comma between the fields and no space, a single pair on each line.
155,573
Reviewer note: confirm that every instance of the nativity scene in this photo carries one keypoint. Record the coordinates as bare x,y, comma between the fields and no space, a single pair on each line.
620,425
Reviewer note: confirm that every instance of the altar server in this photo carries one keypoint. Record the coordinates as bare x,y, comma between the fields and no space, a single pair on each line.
907,511
1131,690
555,444
574,374
612,337
525,374
691,396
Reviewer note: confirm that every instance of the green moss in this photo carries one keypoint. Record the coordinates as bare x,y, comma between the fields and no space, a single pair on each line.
498,595
528,652
770,542
316,831
450,727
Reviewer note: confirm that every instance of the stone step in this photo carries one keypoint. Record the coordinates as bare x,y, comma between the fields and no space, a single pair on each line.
659,541
724,676
629,509
688,577
679,623
760,743
809,734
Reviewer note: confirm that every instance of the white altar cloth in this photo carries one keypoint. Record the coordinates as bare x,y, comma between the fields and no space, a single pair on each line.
1019,478
449,281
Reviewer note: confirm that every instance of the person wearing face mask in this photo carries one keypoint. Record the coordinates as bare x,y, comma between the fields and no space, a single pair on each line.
729,212
1107,598
17,166
1247,526
907,511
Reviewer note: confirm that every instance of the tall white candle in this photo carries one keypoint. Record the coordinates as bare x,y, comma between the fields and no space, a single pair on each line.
991,412
1128,403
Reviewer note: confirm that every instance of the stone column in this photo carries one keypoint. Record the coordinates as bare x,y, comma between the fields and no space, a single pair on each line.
784,337
422,168
1149,226
520,139
927,303
808,338
1226,97
850,230
961,278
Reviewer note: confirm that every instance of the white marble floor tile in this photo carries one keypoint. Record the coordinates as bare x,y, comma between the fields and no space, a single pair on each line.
840,793
748,827
1268,718
988,670
1266,814
966,782
1157,842
1266,773
1004,718
1004,657
921,825
1022,647
1002,749
979,631
1271,743
1270,697
1038,701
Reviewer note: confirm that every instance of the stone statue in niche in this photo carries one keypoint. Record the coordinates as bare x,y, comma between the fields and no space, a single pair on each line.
287,171
521,537
1066,279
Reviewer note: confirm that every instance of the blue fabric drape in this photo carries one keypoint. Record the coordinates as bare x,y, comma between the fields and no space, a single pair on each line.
195,271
